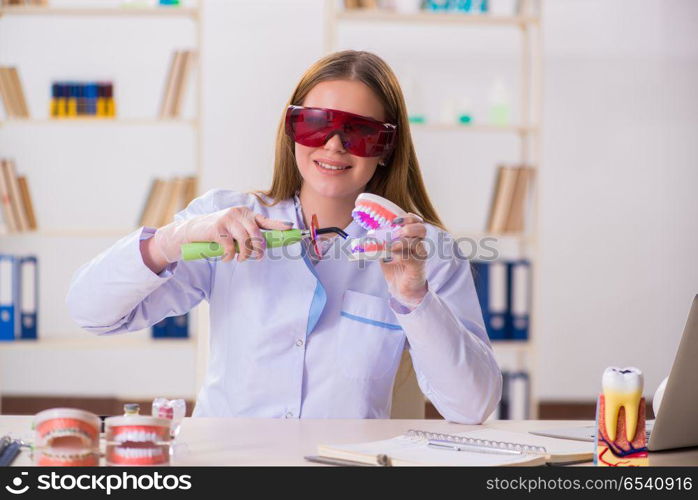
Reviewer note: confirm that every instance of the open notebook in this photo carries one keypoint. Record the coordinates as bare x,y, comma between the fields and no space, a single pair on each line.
413,448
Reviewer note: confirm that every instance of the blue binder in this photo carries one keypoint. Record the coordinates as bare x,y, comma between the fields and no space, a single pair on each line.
9,288
520,298
29,297
493,288
159,329
178,326
519,395
172,327
481,279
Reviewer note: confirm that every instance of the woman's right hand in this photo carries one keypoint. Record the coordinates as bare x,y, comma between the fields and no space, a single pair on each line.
235,224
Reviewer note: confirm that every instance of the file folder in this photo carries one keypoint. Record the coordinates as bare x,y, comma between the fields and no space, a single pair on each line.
498,300
519,390
8,297
178,326
491,284
520,285
159,329
28,279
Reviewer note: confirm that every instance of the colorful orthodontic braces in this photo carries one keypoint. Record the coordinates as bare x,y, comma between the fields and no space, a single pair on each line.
66,437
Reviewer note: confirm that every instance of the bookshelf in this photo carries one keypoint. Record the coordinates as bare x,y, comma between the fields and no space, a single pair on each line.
60,339
107,343
101,11
520,354
142,122
479,128
382,16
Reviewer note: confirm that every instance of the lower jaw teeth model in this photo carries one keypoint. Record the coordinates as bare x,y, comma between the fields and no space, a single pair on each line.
375,214
66,437
137,440
620,419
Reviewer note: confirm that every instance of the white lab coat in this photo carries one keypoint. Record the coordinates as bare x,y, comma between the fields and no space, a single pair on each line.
293,339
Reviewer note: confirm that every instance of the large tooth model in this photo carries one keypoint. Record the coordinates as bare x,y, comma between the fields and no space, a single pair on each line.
620,419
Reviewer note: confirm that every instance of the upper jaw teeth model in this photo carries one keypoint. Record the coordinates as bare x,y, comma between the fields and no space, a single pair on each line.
375,214
137,440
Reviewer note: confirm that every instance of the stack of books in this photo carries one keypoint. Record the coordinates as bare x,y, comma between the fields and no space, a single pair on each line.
17,208
360,4
509,200
166,198
181,66
34,3
82,99
12,94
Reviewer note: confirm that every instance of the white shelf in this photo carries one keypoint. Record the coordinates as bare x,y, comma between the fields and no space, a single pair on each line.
98,121
512,345
383,16
104,11
478,235
480,128
73,233
92,341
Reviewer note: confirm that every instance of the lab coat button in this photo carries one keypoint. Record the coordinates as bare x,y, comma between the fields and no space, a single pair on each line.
299,342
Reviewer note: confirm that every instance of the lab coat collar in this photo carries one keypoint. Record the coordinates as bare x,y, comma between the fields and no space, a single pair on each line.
354,230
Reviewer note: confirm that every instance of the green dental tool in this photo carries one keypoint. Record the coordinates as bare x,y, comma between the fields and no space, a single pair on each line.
274,238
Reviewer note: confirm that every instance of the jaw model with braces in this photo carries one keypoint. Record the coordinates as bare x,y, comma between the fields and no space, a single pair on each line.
375,214
620,419
66,437
137,440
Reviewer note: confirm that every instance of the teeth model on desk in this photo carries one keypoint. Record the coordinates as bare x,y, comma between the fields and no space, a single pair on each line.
137,440
66,437
620,416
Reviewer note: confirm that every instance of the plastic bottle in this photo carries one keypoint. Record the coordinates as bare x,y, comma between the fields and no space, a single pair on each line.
500,106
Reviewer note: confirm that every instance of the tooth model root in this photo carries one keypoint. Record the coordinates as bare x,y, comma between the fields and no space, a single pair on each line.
630,401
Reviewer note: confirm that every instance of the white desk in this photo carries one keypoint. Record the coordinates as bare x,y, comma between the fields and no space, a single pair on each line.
245,441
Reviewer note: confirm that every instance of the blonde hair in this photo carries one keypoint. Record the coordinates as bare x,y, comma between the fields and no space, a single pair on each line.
400,179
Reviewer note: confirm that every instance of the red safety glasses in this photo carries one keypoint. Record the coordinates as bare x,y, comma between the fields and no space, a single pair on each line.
360,136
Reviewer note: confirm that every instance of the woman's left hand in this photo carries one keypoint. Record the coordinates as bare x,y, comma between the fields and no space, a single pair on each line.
405,270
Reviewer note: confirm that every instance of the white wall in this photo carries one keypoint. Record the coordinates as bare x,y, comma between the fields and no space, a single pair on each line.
618,227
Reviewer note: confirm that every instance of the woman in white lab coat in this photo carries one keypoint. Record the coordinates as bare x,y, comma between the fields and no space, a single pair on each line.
299,335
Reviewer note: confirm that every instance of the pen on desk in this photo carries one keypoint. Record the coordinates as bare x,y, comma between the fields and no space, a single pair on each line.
448,445
337,461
